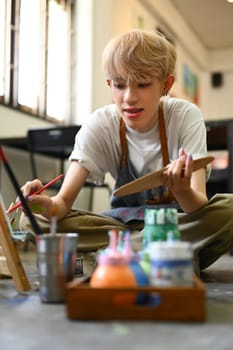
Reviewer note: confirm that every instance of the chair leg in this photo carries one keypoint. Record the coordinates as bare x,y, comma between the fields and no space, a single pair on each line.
91,195
91,198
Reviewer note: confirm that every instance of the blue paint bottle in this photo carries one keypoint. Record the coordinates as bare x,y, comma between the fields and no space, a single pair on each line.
139,274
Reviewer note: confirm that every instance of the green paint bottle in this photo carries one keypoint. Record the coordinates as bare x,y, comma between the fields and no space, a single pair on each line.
158,222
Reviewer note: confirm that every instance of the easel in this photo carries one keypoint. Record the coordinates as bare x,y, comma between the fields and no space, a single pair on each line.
10,262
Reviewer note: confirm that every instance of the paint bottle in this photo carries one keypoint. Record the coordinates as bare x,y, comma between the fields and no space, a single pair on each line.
113,271
171,263
158,222
144,261
133,261
141,277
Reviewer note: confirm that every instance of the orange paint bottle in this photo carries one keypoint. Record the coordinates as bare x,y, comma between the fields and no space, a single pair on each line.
113,271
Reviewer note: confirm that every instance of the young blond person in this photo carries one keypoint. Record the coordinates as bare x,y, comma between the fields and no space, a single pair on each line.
128,139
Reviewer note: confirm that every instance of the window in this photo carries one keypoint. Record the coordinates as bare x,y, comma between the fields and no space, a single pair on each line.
2,45
35,48
29,55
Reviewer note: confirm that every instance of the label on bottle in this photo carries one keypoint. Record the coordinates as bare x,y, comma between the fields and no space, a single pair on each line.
171,264
158,223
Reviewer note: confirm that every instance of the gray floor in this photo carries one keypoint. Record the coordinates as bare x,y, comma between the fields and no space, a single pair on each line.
26,323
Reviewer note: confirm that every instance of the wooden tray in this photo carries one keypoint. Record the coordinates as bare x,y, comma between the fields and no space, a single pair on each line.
169,304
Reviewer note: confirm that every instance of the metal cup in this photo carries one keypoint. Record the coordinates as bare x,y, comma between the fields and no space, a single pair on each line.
56,254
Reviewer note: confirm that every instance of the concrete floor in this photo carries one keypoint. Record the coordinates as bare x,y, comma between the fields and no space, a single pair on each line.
26,323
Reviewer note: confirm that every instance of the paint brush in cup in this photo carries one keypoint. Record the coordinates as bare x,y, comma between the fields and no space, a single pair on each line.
36,228
53,220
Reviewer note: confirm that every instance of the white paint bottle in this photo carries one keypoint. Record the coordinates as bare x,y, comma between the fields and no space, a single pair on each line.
171,263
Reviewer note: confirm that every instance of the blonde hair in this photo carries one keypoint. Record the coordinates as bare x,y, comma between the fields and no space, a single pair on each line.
139,54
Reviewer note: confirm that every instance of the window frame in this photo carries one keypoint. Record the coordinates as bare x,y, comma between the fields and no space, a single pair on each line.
11,58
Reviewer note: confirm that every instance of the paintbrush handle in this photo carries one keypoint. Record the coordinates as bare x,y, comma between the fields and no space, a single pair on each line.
36,228
49,184
18,204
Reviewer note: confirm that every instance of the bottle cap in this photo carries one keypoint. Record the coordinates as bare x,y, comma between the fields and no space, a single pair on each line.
114,259
161,216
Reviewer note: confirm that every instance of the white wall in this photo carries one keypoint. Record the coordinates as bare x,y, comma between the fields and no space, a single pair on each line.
122,15
16,124
215,103
218,101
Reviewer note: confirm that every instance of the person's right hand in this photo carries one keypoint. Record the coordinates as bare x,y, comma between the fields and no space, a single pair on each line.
38,203
30,187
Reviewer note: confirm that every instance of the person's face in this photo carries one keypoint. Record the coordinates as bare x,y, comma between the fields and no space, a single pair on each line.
138,102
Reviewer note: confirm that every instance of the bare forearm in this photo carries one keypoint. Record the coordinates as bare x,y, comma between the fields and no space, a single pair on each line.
70,189
191,200
61,207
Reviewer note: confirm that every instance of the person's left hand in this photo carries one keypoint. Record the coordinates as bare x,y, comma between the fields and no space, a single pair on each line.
177,177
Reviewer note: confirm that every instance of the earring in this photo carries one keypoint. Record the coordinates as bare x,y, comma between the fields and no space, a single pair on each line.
165,93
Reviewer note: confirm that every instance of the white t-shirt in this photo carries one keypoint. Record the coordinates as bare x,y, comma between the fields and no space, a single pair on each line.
98,148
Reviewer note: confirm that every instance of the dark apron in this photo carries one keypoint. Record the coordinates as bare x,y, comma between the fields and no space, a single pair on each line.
131,207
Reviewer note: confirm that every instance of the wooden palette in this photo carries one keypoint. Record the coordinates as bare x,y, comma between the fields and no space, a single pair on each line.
154,179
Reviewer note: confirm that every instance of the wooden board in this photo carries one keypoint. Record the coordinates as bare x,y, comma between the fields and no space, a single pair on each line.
4,270
169,304
9,251
154,179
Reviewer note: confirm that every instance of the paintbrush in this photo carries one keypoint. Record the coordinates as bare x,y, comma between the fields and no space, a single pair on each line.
36,228
44,187
53,224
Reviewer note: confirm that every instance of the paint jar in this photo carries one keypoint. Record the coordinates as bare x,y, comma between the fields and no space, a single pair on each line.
114,271
56,254
171,263
158,222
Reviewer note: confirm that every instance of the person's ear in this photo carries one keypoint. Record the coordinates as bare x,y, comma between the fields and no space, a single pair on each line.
108,81
168,83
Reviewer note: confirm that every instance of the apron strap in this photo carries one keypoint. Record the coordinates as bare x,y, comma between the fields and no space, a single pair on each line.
164,148
123,143
163,135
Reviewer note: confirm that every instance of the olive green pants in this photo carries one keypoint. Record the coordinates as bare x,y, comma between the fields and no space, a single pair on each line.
209,229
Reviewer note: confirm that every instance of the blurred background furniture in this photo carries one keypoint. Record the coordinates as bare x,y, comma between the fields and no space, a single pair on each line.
220,145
